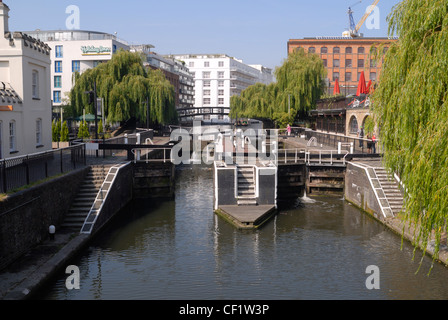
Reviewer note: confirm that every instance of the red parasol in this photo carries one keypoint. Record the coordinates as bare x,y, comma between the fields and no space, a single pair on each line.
362,85
336,90
368,87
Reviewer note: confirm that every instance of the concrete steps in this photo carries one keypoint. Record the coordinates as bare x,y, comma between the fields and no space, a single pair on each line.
85,198
246,186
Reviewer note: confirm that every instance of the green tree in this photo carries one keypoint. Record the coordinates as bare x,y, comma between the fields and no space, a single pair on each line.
299,84
412,110
83,132
100,127
126,86
64,132
56,130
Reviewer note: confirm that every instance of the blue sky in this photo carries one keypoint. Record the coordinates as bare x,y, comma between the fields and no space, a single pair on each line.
256,31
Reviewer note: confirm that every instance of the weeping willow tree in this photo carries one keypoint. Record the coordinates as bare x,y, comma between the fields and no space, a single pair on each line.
127,87
299,84
412,109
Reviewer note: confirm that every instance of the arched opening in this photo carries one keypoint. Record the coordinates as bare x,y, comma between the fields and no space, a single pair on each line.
353,125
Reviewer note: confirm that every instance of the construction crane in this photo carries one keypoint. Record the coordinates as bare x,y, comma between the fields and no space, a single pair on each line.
354,29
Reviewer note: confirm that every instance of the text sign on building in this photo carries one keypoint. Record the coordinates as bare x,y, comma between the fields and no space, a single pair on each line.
93,51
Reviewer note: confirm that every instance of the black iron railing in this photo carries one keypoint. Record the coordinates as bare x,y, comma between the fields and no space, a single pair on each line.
21,171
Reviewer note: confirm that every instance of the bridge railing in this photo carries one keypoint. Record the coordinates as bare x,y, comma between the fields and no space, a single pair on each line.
326,157
152,155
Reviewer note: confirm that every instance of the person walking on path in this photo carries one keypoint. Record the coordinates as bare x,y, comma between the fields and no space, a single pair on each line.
361,136
374,143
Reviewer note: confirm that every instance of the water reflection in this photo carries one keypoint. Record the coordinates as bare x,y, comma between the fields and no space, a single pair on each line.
181,250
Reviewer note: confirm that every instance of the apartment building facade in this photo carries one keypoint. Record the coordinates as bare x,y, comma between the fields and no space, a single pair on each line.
345,58
218,77
75,51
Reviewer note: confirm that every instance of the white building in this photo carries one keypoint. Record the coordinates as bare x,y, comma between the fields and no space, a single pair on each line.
218,77
25,102
75,50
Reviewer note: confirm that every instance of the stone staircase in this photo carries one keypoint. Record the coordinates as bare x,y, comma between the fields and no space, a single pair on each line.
85,198
391,190
246,186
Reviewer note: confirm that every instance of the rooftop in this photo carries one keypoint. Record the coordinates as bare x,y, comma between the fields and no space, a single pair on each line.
73,35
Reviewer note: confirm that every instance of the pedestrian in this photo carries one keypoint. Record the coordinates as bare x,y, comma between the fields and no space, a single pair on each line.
374,143
289,130
369,143
361,136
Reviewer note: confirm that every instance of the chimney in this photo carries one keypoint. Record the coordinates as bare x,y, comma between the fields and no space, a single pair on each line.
4,17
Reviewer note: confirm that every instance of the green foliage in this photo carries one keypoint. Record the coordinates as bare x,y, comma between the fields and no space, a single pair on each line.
412,108
64,132
299,84
56,130
126,86
100,126
83,132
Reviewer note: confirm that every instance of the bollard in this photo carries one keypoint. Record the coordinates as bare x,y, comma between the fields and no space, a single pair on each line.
52,231
339,147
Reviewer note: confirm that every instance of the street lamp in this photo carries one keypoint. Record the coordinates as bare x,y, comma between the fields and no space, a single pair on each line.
93,99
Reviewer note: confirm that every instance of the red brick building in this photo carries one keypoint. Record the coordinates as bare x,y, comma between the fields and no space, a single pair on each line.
345,58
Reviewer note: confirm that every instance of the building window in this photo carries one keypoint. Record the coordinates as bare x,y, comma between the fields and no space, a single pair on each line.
191,64
336,50
336,63
35,84
207,101
220,101
324,50
220,75
220,92
348,50
57,97
59,52
335,76
206,84
206,75
373,63
221,64
361,50
12,136
220,84
348,76
58,66
206,92
360,63
76,66
39,132
206,64
97,63
353,125
312,50
325,62
348,63
373,76
57,81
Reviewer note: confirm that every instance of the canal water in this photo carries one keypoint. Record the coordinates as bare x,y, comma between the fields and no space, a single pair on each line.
180,250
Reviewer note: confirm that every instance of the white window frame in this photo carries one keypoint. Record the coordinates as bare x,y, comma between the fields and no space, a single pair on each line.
35,84
38,132
12,136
